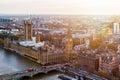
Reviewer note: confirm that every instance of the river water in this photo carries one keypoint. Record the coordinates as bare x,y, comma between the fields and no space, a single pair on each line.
12,62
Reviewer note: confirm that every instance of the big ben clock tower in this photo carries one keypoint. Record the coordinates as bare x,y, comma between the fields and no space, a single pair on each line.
68,45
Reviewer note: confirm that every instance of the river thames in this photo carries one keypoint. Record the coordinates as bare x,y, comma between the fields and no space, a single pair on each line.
12,62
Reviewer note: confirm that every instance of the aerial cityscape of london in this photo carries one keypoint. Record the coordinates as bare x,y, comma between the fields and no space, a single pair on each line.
59,40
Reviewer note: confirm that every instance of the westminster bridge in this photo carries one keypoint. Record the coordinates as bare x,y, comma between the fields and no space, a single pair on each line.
31,72
45,69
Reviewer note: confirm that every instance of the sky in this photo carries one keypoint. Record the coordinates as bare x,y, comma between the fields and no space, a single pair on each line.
70,7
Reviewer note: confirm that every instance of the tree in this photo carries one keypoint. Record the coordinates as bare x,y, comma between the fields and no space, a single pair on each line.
76,41
91,69
104,73
96,43
105,31
112,46
48,36
74,56
16,37
77,65
1,41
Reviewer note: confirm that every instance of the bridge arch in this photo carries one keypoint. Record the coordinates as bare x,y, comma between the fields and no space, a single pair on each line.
46,72
55,70
24,77
39,73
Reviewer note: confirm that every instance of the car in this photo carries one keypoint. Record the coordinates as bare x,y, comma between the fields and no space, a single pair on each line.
43,67
67,65
30,70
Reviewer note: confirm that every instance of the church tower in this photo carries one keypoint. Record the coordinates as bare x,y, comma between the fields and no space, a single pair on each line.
68,45
28,30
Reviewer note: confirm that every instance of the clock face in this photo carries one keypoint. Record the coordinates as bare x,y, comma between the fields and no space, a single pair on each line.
70,39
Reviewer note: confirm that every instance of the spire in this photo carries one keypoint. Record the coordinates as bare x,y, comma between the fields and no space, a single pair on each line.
69,32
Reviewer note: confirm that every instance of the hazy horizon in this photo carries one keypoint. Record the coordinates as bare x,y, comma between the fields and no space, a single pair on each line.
60,7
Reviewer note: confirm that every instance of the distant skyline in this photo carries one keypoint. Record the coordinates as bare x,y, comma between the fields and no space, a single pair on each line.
64,7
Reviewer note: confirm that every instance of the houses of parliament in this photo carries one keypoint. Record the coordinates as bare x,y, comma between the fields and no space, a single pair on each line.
42,52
